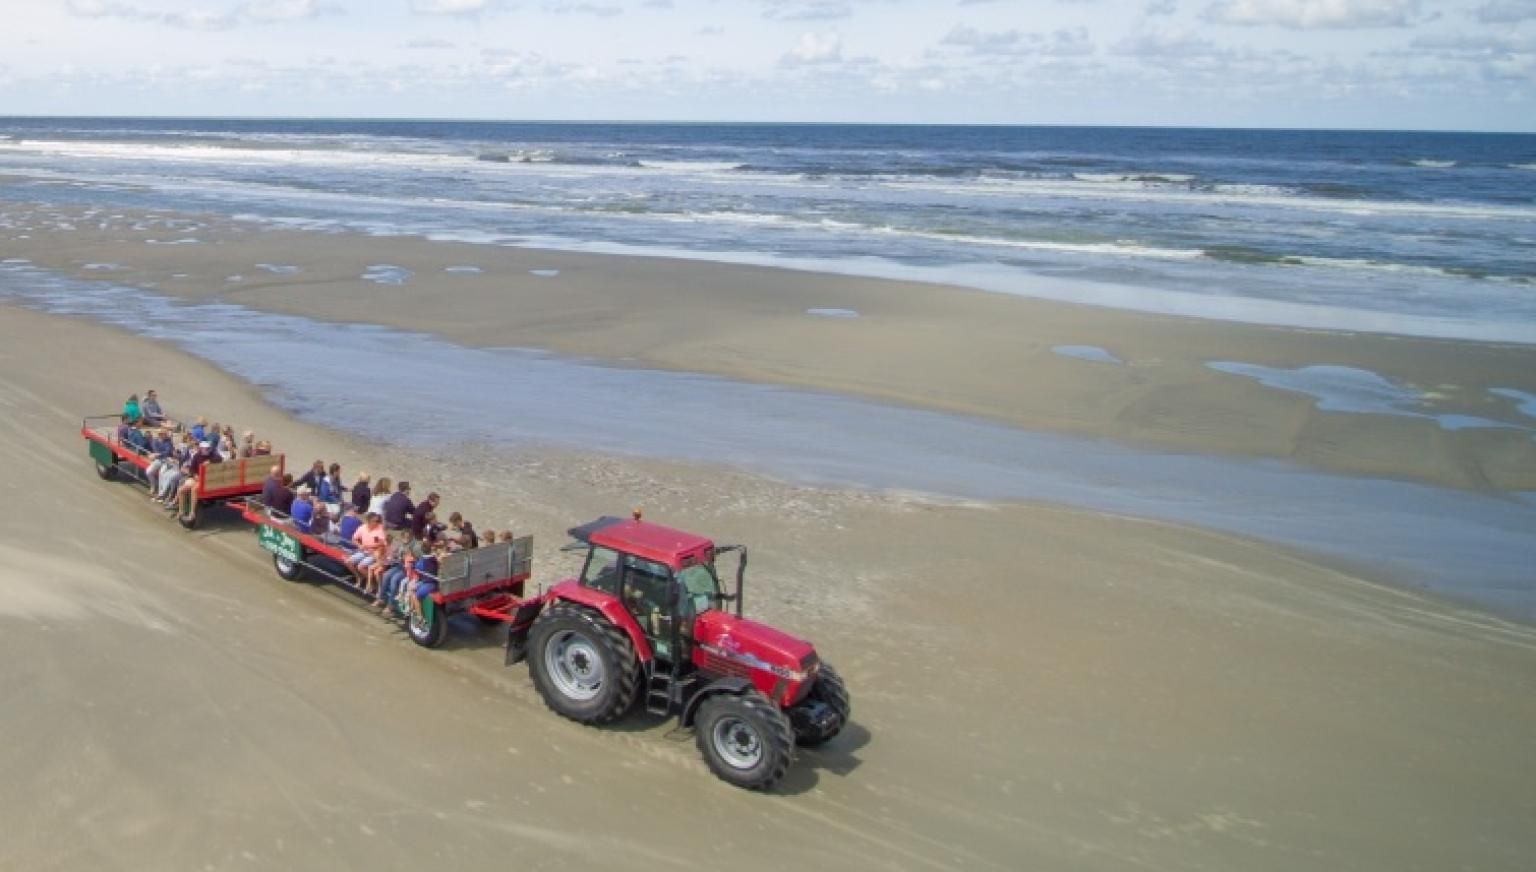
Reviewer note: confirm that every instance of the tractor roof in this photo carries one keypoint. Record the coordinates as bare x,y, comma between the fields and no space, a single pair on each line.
644,539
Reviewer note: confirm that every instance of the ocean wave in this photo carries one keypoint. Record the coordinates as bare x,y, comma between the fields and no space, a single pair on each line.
1151,178
1429,164
1523,166
691,166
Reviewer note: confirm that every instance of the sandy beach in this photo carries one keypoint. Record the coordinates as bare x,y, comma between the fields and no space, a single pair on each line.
950,349
1035,687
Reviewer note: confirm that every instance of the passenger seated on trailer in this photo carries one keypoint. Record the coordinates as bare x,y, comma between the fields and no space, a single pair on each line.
347,526
131,412
330,492
361,493
172,473
399,511
425,583
398,567
371,539
320,525
270,484
311,478
263,448
282,498
205,455
303,509
199,429
149,410
162,449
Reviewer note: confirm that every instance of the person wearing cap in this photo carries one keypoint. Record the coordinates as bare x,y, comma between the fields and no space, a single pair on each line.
302,512
188,489
399,512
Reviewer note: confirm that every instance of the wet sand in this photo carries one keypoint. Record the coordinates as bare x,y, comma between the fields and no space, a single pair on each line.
1034,687
921,345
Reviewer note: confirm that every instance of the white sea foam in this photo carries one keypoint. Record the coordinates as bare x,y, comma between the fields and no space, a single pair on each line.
1523,166
691,166
833,313
1426,163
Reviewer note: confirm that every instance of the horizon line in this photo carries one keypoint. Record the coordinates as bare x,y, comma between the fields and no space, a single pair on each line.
741,122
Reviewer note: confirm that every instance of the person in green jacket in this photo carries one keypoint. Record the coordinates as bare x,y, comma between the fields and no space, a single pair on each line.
131,414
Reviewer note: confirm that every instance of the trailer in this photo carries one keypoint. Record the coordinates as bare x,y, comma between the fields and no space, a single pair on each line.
487,582
218,484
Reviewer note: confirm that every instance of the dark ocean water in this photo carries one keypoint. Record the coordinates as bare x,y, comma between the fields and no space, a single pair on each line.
1424,233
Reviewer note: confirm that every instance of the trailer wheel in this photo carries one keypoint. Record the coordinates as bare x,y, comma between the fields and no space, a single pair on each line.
430,628
829,690
745,739
291,570
105,472
190,522
583,666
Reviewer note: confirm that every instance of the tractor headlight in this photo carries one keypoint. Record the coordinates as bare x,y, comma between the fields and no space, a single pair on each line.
788,674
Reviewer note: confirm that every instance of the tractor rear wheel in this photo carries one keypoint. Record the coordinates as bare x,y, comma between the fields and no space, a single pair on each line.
745,739
584,667
829,690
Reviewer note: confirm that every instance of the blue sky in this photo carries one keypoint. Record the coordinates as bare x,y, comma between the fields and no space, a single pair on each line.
1298,63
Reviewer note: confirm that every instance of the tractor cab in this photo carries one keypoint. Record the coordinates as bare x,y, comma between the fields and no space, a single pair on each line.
664,578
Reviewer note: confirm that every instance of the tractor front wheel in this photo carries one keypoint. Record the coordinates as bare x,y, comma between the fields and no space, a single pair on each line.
584,667
829,691
746,739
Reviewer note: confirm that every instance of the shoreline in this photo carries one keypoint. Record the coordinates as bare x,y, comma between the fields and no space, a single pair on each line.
922,346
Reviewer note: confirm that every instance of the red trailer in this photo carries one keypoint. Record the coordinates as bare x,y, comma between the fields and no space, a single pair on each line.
487,582
217,483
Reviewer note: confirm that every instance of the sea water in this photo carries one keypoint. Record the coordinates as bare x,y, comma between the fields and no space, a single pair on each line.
1419,233
1475,547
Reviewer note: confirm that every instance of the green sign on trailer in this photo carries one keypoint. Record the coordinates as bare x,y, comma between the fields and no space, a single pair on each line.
101,453
279,543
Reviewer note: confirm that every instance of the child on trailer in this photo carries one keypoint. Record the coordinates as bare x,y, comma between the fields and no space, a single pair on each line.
425,582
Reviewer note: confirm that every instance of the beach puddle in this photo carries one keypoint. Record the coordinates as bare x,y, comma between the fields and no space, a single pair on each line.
544,273
1091,353
281,269
1360,391
832,313
1463,544
386,274
185,241
103,267
463,270
1524,402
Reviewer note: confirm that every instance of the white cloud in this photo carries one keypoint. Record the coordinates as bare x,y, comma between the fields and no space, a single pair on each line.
814,48
807,10
451,7
1061,43
1314,14
208,19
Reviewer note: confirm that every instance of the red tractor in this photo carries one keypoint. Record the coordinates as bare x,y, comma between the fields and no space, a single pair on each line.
647,619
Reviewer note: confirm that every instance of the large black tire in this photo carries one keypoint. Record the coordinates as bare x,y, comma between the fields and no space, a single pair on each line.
107,473
428,633
745,739
287,569
584,667
829,690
